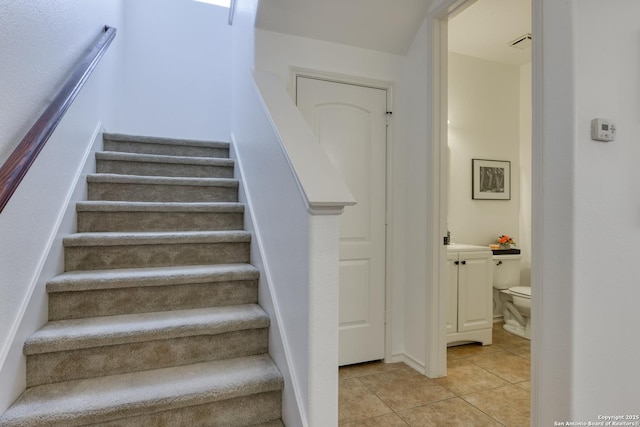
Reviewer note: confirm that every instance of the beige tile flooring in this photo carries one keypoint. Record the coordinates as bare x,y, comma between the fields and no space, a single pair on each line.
485,386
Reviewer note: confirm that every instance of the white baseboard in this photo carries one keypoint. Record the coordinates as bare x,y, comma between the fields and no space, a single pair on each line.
410,361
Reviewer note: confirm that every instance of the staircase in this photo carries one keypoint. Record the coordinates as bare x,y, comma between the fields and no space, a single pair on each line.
155,321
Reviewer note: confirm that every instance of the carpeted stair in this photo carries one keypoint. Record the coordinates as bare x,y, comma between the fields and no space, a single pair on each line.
155,321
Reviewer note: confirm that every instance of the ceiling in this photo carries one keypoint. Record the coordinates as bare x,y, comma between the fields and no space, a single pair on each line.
383,25
482,30
485,29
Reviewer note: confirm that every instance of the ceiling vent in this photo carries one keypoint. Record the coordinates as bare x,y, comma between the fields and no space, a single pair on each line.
522,42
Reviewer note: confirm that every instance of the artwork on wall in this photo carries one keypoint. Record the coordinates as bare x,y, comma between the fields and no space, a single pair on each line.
491,179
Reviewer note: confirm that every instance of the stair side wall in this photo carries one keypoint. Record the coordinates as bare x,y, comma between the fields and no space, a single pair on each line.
34,313
292,412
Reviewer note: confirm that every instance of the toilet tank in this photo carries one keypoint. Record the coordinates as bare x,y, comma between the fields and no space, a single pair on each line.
506,271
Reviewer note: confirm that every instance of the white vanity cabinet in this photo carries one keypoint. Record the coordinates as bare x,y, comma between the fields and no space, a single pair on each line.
469,294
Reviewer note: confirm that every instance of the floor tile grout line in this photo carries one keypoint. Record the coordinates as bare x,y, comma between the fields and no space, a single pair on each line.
426,404
479,409
450,398
495,375
499,376
373,393
417,406
490,373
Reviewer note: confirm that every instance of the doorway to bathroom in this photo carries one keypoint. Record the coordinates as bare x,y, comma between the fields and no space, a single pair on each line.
489,129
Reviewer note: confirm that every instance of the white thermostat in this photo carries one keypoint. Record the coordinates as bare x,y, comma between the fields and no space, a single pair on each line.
603,130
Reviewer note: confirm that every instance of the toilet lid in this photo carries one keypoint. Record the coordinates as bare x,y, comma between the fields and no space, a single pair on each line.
524,291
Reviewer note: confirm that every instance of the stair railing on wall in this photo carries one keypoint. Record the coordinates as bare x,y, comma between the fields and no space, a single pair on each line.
16,166
232,11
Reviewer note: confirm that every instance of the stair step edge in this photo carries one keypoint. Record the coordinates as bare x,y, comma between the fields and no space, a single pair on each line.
77,281
126,206
154,238
117,137
163,158
88,401
112,178
76,334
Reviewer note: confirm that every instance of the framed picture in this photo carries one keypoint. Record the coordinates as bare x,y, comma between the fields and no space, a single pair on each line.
491,179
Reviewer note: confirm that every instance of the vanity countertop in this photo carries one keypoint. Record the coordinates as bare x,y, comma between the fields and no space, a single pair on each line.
461,247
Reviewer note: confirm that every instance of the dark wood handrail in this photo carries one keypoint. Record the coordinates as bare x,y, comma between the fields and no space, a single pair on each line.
19,162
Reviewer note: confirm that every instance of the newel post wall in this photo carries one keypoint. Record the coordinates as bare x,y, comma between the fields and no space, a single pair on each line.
294,198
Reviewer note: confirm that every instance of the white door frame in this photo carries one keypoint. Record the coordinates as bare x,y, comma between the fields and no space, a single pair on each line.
437,19
389,232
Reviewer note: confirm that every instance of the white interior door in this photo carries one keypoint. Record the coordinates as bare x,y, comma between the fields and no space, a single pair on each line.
350,123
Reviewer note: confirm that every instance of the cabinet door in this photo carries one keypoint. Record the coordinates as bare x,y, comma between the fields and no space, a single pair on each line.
475,291
452,293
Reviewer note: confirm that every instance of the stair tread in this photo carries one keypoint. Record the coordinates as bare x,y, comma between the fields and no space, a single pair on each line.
151,276
114,178
125,206
74,334
117,397
163,140
155,238
86,401
164,158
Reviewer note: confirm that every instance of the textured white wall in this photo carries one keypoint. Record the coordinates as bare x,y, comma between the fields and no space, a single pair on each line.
484,104
177,72
39,43
585,202
607,210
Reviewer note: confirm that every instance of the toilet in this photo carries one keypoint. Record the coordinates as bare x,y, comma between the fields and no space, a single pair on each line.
515,299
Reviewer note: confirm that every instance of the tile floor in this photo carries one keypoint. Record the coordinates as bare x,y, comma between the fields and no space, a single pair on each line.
485,386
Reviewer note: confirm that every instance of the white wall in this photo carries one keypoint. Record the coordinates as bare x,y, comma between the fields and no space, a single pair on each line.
418,156
484,105
41,40
177,73
524,235
276,53
586,200
39,43
606,190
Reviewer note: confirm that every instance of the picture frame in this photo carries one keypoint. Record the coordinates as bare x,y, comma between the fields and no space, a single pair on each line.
490,179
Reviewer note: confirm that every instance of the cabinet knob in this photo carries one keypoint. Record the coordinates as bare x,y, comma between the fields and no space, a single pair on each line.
456,262
463,262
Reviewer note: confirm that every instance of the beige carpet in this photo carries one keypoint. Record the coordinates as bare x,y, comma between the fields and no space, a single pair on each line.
155,320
